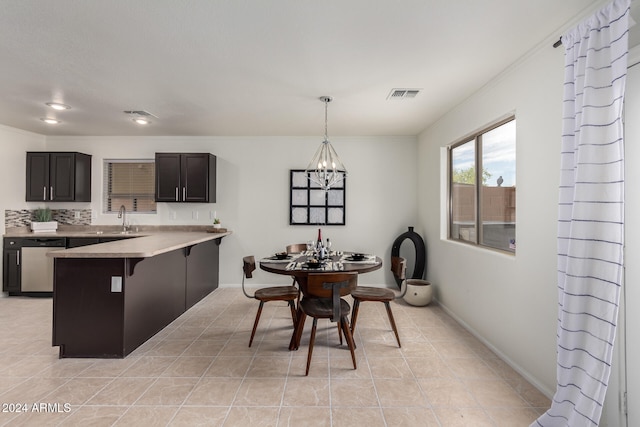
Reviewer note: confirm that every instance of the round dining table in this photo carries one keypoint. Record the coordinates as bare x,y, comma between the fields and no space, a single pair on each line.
300,271
296,266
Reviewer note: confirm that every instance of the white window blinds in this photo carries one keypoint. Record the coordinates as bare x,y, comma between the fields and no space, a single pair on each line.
129,183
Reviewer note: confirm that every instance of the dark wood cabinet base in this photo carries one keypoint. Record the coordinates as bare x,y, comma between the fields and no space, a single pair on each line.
93,317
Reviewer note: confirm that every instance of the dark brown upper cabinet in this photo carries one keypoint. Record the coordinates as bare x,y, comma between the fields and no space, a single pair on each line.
186,177
58,177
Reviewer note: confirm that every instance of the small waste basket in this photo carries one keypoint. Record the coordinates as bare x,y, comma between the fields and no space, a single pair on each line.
419,292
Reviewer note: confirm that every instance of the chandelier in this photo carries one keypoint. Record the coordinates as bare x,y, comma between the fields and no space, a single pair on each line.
325,169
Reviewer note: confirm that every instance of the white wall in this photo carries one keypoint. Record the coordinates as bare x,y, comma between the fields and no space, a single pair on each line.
253,192
14,144
628,332
509,301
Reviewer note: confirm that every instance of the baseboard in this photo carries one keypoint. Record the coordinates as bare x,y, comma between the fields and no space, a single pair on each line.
519,369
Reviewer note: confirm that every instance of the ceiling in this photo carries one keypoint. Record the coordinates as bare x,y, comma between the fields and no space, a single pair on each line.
241,67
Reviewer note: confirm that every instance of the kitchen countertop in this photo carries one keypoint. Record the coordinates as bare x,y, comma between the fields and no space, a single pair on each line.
141,244
139,247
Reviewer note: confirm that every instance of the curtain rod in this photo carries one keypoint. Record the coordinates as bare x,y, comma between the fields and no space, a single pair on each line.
632,22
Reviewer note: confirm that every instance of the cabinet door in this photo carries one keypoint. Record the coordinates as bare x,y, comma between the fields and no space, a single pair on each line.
195,177
37,177
11,270
62,177
168,188
81,177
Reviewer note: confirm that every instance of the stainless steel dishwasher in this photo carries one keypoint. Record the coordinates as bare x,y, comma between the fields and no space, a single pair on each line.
37,267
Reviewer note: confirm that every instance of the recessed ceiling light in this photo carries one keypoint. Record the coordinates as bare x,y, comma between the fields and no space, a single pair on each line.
50,120
58,106
142,120
140,117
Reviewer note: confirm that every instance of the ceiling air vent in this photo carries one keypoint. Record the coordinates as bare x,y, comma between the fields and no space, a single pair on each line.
403,93
139,113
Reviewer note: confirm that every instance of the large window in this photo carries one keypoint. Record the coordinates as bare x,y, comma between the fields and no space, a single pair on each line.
129,183
482,187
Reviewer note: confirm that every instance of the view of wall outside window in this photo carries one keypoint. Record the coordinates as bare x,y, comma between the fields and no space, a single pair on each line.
129,183
483,188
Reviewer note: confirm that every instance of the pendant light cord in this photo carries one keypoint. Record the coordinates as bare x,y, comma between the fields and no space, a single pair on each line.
326,109
326,100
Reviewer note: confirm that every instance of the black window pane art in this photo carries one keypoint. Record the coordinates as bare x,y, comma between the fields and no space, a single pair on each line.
310,205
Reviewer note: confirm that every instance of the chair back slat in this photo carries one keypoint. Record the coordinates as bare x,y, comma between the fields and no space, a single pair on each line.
317,284
331,286
399,267
296,248
249,265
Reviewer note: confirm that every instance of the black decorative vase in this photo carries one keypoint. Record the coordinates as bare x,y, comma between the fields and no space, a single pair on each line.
421,254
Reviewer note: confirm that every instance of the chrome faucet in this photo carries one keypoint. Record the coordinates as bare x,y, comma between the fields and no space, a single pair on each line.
122,213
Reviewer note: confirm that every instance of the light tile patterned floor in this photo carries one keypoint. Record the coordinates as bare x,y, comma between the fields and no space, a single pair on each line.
199,371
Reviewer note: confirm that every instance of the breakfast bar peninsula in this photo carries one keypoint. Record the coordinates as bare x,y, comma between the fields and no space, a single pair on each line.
110,298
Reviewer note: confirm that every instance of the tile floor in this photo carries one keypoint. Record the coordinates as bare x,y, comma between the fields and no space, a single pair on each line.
199,371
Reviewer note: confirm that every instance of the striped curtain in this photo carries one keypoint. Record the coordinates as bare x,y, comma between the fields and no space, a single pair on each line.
590,215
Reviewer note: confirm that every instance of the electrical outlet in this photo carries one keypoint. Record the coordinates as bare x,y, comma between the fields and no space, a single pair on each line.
174,215
116,283
76,214
195,215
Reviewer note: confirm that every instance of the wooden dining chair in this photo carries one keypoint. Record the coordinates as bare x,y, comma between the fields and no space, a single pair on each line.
274,293
296,248
322,300
369,293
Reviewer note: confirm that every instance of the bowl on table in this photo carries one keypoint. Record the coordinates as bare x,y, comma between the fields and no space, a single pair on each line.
314,263
357,257
281,255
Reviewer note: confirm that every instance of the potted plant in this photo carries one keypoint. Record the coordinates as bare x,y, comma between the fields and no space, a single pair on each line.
42,221
216,223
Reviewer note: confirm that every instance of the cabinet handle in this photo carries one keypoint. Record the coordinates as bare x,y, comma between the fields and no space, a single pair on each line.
44,193
51,193
184,193
176,194
18,258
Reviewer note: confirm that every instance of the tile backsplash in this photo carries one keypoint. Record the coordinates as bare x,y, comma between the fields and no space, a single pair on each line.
22,218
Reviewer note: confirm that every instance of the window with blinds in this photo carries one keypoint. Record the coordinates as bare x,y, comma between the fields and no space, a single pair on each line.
129,183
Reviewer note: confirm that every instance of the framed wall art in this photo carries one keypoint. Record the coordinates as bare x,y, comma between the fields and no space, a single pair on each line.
310,205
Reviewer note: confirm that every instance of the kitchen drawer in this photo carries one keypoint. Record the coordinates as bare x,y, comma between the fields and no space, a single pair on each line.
13,242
